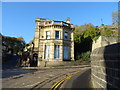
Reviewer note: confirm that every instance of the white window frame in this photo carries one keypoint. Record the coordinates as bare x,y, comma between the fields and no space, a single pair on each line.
66,52
47,51
56,51
47,35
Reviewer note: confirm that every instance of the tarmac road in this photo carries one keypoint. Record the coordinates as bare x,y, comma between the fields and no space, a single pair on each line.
79,80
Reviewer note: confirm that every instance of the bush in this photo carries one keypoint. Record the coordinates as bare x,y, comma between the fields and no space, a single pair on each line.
84,56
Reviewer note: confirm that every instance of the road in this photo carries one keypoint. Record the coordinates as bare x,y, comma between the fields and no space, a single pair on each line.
16,71
42,78
79,80
31,78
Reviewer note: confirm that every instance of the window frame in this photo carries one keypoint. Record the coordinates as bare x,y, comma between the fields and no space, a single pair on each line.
65,35
47,35
56,35
56,51
47,52
66,52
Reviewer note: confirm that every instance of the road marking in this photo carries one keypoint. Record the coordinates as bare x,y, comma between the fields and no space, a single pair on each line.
57,84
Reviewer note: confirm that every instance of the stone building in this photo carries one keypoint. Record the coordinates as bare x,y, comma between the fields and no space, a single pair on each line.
53,40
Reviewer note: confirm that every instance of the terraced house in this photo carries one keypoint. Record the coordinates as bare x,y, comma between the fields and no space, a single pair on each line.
53,40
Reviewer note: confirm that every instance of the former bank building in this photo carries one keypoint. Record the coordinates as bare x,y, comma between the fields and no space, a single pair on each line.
53,40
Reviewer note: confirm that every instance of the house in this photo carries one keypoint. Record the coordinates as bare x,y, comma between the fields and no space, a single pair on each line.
53,40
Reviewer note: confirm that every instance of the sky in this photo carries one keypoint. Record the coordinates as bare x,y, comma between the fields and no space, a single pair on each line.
18,18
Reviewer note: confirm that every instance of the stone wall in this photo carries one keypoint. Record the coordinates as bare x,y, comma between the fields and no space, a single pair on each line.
105,67
61,63
104,41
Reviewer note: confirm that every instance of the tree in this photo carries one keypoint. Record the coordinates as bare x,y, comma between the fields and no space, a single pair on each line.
83,37
92,33
107,31
85,31
15,44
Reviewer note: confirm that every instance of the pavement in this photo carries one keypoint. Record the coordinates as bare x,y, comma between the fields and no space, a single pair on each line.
58,67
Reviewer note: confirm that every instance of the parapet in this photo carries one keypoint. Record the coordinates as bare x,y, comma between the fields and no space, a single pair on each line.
48,22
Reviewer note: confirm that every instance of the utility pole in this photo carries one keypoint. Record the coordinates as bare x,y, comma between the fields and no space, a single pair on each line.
102,27
101,21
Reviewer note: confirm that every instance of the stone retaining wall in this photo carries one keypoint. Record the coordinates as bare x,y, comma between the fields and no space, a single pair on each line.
104,41
105,67
62,63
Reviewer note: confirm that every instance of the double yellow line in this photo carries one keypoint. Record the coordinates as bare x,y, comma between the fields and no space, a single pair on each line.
57,84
